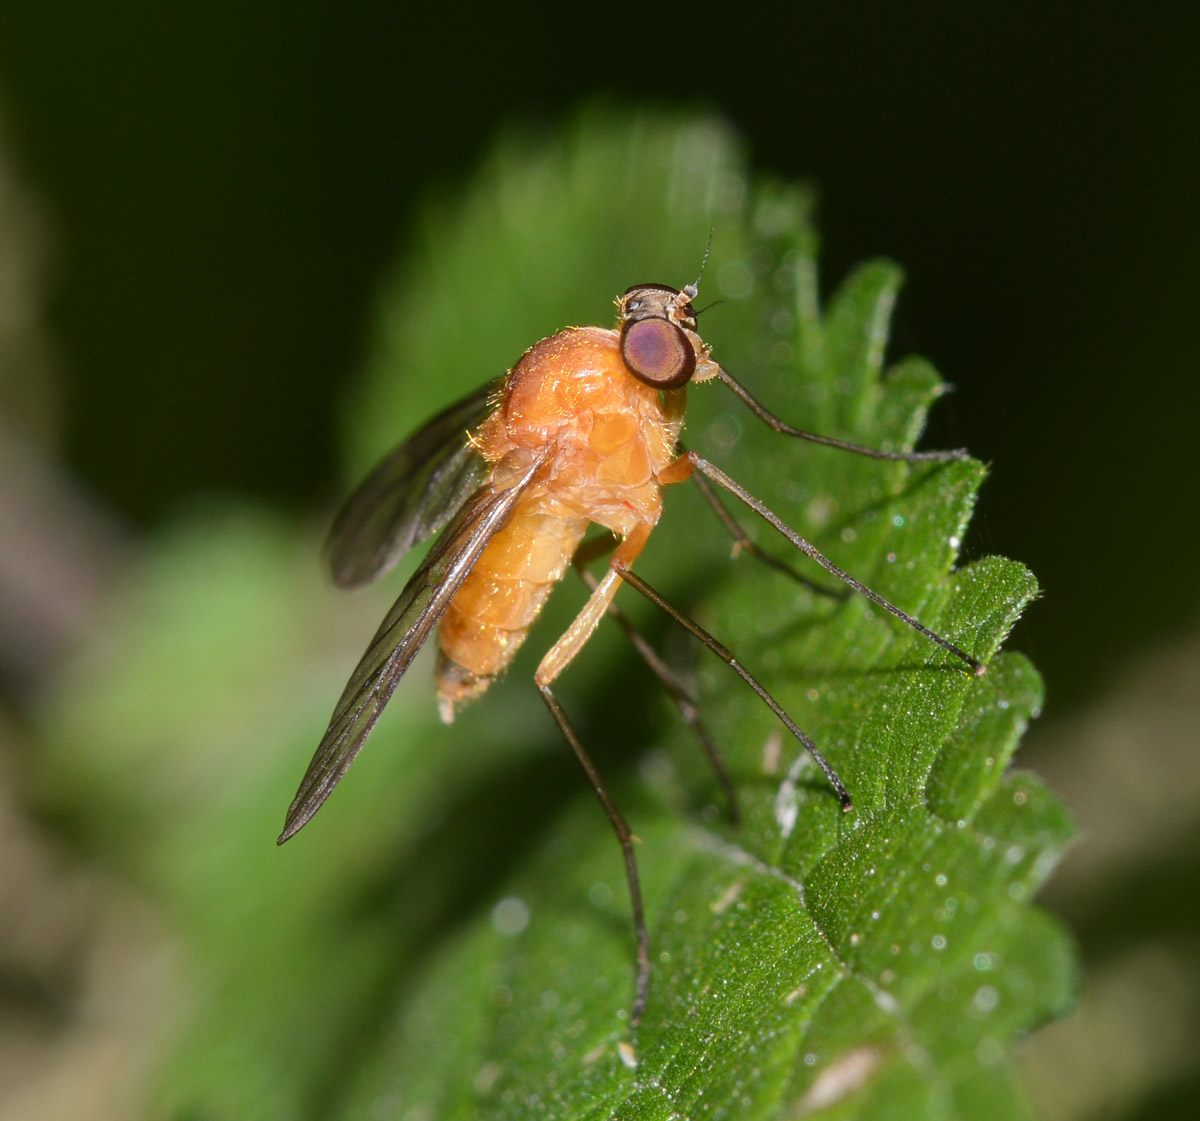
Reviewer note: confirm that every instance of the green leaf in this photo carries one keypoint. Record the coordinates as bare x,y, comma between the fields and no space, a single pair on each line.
451,936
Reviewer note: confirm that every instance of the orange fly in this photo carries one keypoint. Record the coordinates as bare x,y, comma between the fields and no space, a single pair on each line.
584,429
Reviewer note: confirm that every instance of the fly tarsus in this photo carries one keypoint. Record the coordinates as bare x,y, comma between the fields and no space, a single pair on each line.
772,421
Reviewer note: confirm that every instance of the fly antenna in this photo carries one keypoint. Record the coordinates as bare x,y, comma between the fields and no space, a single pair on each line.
693,290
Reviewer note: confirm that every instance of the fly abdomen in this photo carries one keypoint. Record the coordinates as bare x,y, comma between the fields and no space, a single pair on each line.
490,615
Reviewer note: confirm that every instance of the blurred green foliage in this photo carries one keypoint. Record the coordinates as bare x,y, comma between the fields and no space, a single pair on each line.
451,936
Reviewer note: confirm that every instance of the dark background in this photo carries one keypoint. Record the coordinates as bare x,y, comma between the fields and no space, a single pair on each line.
225,184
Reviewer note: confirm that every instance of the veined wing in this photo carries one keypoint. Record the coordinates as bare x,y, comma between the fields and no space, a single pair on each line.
401,635
415,491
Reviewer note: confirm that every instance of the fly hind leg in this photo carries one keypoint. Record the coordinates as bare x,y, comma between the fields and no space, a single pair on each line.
626,839
559,657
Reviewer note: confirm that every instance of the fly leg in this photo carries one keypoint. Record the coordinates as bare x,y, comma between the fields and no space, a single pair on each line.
743,544
688,708
626,839
773,422
558,658
727,657
683,467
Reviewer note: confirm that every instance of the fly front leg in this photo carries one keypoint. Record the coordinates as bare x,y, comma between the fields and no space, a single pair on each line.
773,422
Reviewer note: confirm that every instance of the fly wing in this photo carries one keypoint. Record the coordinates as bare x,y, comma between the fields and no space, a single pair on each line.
415,491
409,623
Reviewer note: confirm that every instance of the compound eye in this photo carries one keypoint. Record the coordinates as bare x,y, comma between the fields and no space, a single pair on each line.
658,353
